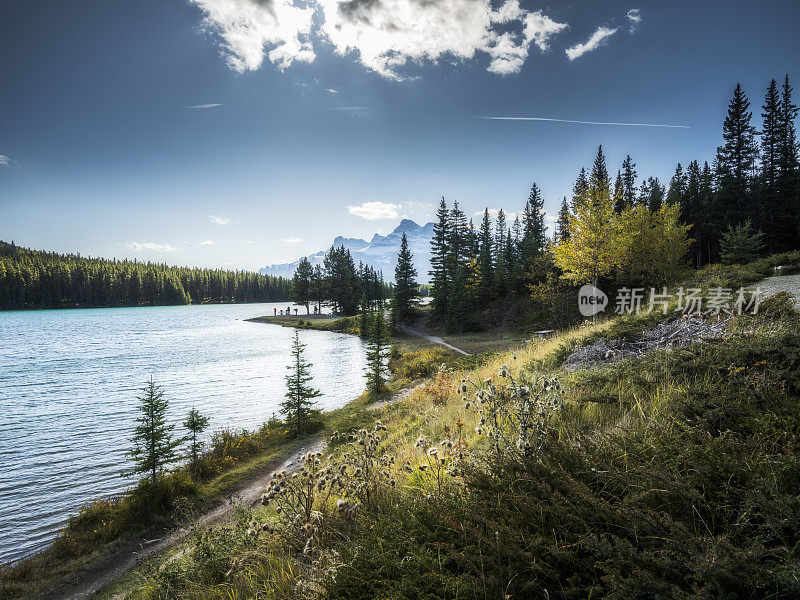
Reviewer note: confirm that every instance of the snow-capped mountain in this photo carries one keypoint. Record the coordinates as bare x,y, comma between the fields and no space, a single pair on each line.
380,252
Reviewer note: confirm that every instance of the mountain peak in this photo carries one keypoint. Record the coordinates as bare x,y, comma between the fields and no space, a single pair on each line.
406,225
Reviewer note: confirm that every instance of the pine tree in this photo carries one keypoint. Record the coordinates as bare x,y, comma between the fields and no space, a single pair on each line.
299,408
581,186
788,184
692,210
710,212
342,282
619,193
440,251
485,266
533,230
629,181
562,224
768,211
501,255
153,444
317,290
599,180
196,423
677,186
651,194
301,284
406,289
460,240
377,352
735,160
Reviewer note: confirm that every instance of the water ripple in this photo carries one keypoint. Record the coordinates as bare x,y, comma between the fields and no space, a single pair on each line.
69,381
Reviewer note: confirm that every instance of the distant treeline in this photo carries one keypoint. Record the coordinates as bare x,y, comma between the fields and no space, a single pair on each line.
36,279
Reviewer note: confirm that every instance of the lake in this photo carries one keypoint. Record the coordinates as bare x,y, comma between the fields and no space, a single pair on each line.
69,381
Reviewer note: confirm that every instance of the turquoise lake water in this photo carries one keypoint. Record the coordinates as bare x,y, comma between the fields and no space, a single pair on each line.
69,381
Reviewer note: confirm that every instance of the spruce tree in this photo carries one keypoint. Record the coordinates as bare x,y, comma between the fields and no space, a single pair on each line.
629,181
500,254
196,423
692,211
299,408
377,353
533,230
598,178
406,289
788,184
484,259
440,251
735,160
153,444
741,244
619,193
581,186
677,186
562,224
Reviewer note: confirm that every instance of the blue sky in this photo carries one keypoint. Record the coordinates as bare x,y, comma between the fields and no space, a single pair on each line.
326,112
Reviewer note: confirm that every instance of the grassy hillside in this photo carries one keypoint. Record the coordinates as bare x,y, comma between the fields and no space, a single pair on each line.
670,475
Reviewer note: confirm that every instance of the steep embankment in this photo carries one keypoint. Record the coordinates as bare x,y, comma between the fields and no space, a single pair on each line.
674,474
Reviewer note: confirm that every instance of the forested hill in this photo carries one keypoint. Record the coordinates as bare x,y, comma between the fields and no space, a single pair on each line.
36,279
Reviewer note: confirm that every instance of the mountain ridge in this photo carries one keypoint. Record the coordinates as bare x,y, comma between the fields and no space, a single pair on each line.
380,252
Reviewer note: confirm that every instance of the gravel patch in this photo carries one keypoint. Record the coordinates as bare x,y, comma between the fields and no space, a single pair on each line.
781,283
681,331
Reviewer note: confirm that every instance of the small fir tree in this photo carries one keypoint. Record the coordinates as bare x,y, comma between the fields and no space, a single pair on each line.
196,423
741,244
299,407
377,352
153,444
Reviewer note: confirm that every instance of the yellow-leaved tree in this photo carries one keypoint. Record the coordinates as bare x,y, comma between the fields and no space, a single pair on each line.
655,245
595,245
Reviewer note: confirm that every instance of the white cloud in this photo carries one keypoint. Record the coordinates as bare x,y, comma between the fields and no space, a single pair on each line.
597,39
388,34
206,243
332,91
204,106
385,34
634,18
138,247
220,220
250,29
293,240
4,161
374,211
247,241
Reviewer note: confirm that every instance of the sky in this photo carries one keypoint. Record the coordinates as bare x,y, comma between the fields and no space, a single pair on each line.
240,133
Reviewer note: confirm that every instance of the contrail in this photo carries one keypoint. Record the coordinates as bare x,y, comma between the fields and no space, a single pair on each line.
203,106
581,122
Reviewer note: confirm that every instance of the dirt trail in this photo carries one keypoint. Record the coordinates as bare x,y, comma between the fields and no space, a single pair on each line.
112,568
432,338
